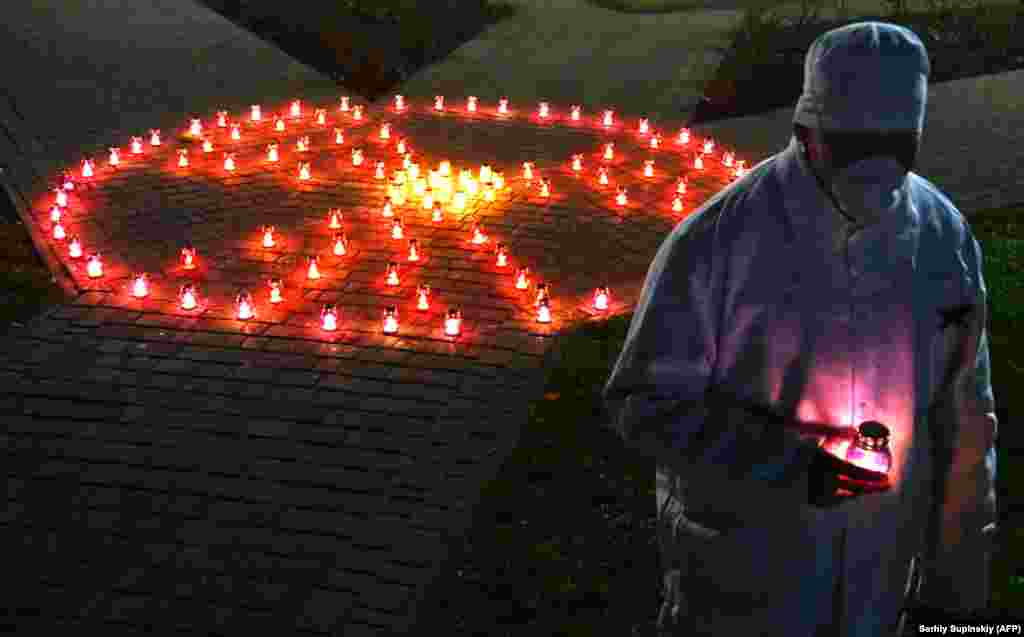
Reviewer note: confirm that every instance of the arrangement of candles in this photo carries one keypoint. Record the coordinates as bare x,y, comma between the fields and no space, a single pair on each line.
436,189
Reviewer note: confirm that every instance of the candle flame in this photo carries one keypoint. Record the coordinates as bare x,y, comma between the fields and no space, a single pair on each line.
542,293
545,188
649,168
677,204
154,137
543,110
439,103
207,146
339,137
396,229
62,198
607,120
544,312
304,171
75,248
399,102
188,298
140,289
329,318
302,144
388,210
453,322
188,258
471,104
334,218
268,236
255,113
437,216
195,129
428,199
136,145
312,272
684,136
357,112
55,214
601,298
275,290
379,174
236,132
644,126
602,177
577,162
279,123
489,193
502,256
414,254
385,131
58,231
87,168
503,106
698,163
727,160
681,186
229,162
245,309
182,158
390,320
392,273
272,155
528,171
709,145
655,141
499,180
95,267
522,278
344,104
115,157
400,146
340,244
422,297
222,119
296,108
575,113
609,151
478,234
357,156
620,198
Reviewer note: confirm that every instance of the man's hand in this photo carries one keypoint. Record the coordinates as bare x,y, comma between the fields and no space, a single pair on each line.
828,486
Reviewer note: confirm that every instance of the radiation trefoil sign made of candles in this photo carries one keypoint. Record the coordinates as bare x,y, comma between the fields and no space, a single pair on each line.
140,288
340,244
453,322
275,286
95,266
391,320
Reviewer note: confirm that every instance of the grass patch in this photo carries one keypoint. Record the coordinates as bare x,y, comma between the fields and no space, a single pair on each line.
562,541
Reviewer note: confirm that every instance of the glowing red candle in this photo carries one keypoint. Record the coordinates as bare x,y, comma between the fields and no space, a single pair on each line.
437,215
644,126
439,103
344,104
478,236
485,173
684,137
357,112
95,266
542,293
115,156
136,145
195,129
272,155
391,320
501,256
528,171
607,118
544,311
396,229
340,244
681,186
207,146
334,218
522,278
329,318
357,156
236,132
154,137
55,214
677,204
709,145
140,288
453,322
305,172
868,454
648,168
399,103
602,176
609,151
222,119
275,286
428,199
379,172
75,248
388,210
575,113
543,110
62,197
503,106
312,270
339,137
459,202
255,113
489,192
727,159
296,108
58,232
620,197
423,297
471,103
698,163
400,146
229,162
182,158
302,144
69,180
545,188
391,277
385,131
188,257
268,236
601,298
245,306
414,253
577,162
87,168
656,141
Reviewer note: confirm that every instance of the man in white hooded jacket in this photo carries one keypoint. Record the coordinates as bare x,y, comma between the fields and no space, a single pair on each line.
827,287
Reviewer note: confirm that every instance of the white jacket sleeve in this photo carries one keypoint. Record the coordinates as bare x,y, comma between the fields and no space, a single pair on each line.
958,551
